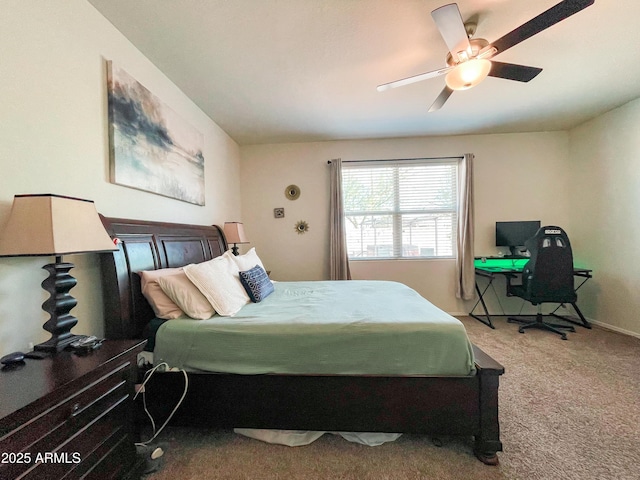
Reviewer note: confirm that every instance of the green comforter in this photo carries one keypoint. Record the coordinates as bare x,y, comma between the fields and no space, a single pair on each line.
324,327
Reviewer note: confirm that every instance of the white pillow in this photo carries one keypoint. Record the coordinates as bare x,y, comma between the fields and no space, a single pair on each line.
219,282
185,294
162,305
248,260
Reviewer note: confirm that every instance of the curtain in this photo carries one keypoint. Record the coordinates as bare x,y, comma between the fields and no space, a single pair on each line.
339,261
465,288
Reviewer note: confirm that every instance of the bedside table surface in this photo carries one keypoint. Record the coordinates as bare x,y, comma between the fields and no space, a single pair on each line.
25,384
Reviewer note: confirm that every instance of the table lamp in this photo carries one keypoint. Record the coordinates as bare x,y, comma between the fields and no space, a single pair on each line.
234,233
54,225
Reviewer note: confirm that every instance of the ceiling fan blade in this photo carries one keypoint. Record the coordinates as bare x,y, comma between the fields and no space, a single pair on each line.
543,21
451,26
442,98
414,79
511,71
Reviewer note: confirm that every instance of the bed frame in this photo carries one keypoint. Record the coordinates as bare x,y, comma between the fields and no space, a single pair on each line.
436,405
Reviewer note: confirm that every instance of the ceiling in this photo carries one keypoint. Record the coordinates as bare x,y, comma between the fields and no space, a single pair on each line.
272,71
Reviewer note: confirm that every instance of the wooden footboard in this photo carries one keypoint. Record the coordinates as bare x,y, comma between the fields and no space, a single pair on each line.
427,405
487,441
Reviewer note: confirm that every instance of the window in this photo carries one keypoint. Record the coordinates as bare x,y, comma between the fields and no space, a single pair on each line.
400,208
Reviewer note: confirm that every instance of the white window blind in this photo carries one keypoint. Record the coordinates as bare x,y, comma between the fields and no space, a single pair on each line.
400,208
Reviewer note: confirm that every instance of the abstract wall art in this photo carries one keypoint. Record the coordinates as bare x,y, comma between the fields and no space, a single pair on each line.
151,147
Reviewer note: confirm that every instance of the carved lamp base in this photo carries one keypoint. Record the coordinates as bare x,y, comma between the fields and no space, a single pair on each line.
58,306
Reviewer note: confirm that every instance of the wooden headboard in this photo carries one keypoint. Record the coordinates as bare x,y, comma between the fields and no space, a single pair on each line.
147,246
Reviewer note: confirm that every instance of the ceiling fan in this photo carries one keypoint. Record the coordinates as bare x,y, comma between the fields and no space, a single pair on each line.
468,60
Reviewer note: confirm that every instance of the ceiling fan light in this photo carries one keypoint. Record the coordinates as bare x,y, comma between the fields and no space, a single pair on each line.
468,74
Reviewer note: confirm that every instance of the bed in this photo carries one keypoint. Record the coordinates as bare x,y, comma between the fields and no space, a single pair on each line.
465,405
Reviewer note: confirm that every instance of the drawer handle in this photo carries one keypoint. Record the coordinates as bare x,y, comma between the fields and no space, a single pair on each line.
75,410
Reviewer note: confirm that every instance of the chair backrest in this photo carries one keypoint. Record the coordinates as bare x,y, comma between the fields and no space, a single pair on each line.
548,276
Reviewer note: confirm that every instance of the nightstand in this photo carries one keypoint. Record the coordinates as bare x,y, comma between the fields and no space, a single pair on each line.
70,416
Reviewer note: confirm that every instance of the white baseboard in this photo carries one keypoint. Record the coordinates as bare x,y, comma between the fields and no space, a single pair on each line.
606,326
613,328
569,312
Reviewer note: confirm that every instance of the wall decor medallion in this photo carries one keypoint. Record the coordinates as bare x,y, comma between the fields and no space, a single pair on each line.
292,192
151,147
278,212
302,227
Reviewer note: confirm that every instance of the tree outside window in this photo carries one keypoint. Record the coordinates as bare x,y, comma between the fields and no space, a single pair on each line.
401,208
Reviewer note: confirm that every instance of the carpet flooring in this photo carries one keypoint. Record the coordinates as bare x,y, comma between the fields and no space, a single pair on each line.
568,410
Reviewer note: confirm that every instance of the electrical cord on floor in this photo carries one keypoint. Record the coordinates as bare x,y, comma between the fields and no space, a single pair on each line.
147,377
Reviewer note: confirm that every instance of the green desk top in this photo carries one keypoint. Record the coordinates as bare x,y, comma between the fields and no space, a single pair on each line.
500,264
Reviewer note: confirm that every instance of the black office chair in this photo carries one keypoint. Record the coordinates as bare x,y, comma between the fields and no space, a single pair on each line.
546,278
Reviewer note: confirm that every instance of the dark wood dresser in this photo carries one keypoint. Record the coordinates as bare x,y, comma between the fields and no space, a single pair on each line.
70,416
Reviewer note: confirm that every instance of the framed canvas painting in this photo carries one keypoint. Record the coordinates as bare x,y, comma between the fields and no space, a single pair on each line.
151,147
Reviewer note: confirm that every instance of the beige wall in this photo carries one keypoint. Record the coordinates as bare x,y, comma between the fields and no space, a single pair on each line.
517,177
605,204
53,139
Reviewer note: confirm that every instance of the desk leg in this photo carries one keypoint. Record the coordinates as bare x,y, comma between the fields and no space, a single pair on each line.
585,323
487,319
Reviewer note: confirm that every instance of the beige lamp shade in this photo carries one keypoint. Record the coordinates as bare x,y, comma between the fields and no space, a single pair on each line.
46,224
234,232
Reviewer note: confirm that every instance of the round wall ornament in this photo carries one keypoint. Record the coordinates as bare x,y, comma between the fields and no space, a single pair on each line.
302,227
292,192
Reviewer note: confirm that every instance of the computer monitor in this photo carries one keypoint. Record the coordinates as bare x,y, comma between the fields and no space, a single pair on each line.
515,234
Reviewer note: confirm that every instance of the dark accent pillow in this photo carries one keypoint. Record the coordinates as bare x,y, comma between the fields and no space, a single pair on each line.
150,331
257,284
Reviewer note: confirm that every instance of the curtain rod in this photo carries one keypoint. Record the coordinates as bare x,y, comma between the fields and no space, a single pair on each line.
395,159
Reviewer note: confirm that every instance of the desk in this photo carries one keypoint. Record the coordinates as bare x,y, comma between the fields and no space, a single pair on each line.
491,267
